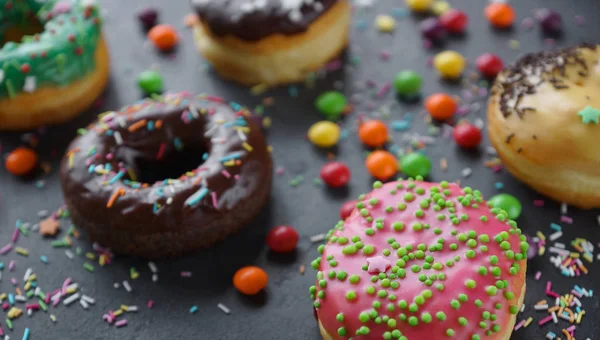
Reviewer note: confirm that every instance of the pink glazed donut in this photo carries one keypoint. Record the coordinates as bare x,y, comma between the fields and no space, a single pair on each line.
418,260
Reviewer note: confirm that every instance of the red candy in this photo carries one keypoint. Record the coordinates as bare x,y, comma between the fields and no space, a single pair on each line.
335,174
282,239
347,209
467,135
489,64
454,21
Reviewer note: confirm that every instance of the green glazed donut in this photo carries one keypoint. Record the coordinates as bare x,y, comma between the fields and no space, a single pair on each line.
59,55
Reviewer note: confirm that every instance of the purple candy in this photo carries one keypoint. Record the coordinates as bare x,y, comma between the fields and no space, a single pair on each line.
550,20
432,29
533,248
148,17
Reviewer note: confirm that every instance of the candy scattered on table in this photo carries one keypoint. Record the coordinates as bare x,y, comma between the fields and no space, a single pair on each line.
381,164
489,64
467,135
21,161
335,174
164,37
419,5
373,133
432,29
347,208
385,23
449,64
331,104
415,164
148,17
324,134
550,20
500,15
282,239
454,21
508,203
150,82
441,106
250,280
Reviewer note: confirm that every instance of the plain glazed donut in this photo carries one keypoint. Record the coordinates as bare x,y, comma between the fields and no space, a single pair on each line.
418,260
49,77
537,124
270,42
167,176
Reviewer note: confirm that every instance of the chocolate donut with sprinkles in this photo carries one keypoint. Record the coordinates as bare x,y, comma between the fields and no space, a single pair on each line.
54,62
168,175
420,260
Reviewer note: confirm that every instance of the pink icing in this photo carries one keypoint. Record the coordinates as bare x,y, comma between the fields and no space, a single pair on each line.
456,277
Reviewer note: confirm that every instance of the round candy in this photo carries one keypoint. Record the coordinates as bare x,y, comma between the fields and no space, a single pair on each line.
331,104
454,21
381,164
440,106
148,17
489,64
373,133
449,64
21,161
432,29
282,239
335,174
250,280
550,20
419,5
347,209
440,7
164,37
415,164
385,23
408,83
500,15
324,134
467,135
150,82
508,203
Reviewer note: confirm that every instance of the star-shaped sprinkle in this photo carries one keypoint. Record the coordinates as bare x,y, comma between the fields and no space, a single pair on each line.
589,114
49,226
378,264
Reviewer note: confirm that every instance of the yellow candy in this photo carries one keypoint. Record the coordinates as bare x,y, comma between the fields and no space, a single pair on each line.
385,23
440,7
324,134
419,5
449,64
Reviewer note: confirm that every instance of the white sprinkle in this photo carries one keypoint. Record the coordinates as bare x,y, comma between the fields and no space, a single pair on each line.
132,309
295,16
118,137
127,286
116,285
563,208
55,297
478,123
20,298
555,236
122,121
69,254
29,312
72,286
554,318
30,84
42,213
169,200
559,245
152,267
224,308
6,337
27,274
522,308
540,307
241,135
491,151
193,111
317,238
71,299
83,304
37,291
154,277
88,299
466,172
557,301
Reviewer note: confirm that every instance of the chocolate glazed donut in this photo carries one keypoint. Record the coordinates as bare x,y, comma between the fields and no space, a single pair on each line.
168,176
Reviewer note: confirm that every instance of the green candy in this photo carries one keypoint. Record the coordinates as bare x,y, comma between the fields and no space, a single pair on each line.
508,203
52,58
408,83
331,104
150,82
415,164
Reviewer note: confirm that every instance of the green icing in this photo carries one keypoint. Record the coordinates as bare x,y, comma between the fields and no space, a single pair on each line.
63,53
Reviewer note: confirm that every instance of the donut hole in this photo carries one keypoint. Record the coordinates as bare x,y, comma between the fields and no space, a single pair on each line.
172,165
17,32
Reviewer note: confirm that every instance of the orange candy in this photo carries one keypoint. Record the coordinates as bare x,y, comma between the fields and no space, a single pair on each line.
500,15
21,161
373,133
440,106
250,280
381,164
164,37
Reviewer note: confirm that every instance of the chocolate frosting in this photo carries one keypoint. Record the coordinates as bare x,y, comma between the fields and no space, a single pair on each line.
99,172
256,19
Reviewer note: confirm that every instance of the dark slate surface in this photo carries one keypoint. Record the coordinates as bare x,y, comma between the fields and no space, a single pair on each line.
283,311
